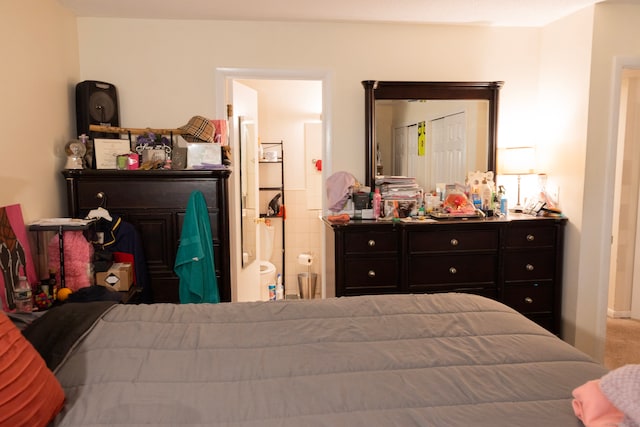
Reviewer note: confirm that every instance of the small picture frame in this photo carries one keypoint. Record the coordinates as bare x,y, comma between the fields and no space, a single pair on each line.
108,150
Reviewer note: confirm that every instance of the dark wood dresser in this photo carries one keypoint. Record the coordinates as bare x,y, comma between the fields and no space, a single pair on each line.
155,203
516,260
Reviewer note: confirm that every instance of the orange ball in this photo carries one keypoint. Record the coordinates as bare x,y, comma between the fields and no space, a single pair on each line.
63,294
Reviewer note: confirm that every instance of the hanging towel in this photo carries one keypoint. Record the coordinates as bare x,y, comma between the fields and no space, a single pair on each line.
194,259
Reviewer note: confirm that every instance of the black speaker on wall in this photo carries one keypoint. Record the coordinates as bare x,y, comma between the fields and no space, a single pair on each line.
96,104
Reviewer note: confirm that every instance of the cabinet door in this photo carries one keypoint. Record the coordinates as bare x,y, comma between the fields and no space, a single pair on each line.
157,232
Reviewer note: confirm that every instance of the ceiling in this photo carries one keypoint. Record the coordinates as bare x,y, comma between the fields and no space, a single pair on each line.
513,13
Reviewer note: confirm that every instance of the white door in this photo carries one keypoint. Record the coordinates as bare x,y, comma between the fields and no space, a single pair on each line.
412,151
399,151
448,159
245,110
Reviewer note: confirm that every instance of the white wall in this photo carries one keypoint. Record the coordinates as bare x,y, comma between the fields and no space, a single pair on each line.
39,72
578,144
561,136
616,36
164,70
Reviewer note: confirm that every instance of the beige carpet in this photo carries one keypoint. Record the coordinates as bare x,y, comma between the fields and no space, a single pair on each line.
622,345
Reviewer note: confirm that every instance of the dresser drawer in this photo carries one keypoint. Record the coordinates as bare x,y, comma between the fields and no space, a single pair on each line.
529,265
448,269
143,194
453,240
371,242
534,297
371,272
521,236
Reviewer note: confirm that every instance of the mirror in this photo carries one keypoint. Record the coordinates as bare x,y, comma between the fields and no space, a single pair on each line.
420,113
248,189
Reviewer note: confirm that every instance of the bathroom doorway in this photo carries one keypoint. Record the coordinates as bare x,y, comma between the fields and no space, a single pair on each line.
624,283
292,109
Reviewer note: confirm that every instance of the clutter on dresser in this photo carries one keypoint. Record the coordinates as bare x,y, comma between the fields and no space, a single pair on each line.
201,143
401,197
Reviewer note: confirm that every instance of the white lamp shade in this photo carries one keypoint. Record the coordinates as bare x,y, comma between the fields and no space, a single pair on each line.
517,161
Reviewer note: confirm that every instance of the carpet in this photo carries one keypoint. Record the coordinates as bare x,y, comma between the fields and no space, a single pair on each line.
622,345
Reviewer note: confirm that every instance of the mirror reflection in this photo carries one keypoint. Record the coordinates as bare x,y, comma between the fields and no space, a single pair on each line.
248,189
435,141
433,131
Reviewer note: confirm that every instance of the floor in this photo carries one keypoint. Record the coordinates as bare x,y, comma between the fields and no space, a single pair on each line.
622,344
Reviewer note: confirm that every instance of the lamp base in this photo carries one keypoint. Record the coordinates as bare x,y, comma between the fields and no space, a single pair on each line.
517,209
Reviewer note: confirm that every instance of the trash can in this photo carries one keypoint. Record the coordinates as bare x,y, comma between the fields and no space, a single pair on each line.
307,285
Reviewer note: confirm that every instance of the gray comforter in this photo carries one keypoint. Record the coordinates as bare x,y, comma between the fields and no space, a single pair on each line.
402,360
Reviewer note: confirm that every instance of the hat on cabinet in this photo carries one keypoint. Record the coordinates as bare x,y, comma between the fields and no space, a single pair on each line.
198,129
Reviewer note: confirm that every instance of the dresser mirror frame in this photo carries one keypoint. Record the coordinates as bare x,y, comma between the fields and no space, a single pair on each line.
400,90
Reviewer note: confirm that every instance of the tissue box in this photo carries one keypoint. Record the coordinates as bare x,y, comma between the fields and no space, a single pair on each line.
119,277
199,153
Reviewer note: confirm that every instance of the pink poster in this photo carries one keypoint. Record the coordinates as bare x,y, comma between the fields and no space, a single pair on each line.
15,254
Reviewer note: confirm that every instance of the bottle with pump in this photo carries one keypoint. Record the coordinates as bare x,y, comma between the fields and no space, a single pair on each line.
377,201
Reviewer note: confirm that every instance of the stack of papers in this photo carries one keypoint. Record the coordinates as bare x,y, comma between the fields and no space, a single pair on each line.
398,187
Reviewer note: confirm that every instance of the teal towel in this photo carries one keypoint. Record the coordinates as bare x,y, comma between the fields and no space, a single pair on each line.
194,260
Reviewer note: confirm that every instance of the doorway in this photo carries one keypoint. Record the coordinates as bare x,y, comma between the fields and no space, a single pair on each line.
303,230
624,279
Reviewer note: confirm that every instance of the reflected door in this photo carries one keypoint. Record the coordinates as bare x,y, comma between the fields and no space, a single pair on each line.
449,147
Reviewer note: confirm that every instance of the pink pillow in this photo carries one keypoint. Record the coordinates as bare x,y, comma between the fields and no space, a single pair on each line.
593,408
30,395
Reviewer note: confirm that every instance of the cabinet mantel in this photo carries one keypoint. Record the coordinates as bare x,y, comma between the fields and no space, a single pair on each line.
155,203
516,260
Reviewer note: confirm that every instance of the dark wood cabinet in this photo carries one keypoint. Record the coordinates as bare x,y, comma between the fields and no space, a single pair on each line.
155,203
516,260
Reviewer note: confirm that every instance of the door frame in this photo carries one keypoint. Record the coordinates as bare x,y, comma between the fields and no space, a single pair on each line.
222,76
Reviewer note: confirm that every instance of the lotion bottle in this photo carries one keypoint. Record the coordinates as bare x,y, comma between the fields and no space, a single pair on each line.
486,196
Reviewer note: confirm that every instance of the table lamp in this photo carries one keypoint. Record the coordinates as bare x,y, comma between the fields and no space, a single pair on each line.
517,161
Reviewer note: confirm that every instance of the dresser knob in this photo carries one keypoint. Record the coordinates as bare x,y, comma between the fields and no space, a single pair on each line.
528,300
371,243
453,270
454,242
530,237
529,267
371,273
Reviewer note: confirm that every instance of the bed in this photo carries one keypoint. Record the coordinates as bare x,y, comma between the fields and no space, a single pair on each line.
393,360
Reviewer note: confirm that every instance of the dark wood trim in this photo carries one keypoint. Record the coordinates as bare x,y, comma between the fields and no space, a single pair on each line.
427,90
